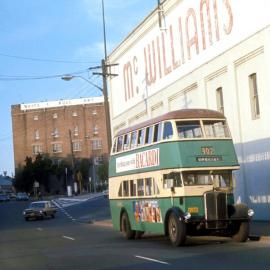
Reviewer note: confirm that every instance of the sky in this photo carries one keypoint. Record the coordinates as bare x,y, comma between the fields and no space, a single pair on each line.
50,38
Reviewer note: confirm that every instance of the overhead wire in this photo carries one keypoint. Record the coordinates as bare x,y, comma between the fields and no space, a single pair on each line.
46,60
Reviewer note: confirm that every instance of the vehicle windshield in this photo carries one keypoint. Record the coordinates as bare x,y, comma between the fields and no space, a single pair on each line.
216,129
219,179
37,205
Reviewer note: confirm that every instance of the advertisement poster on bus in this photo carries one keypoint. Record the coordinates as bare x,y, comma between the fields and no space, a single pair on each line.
147,211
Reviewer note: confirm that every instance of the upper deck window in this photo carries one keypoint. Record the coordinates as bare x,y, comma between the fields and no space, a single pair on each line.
141,137
188,129
119,143
216,129
167,131
157,132
114,145
133,139
149,135
126,141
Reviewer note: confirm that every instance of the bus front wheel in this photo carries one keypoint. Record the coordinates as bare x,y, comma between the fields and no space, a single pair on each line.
126,228
242,232
177,230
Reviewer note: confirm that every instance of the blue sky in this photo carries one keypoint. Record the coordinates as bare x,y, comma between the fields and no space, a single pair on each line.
50,37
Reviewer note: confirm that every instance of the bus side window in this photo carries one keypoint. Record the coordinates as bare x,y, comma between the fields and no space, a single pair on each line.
120,191
140,186
157,132
133,139
141,137
125,189
172,179
132,188
119,143
149,135
126,141
167,131
148,187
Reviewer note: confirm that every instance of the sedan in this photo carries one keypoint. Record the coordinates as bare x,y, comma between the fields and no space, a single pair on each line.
39,210
22,196
4,198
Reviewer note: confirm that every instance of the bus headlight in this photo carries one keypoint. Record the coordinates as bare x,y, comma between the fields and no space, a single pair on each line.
187,215
250,212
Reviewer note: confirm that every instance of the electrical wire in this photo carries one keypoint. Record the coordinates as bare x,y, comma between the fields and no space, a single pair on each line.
26,77
46,60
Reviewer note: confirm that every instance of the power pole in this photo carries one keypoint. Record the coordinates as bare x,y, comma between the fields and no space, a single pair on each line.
72,156
104,75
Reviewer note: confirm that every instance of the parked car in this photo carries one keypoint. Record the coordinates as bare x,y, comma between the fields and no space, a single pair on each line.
39,210
4,198
106,193
22,196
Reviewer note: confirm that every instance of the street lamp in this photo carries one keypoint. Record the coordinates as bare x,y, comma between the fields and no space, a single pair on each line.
70,77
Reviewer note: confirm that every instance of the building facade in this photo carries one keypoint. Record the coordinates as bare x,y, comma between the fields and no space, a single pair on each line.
203,54
60,129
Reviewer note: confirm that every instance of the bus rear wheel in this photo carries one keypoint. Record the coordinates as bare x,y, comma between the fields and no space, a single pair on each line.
126,228
177,230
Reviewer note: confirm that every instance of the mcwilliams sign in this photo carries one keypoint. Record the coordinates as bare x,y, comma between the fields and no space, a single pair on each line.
150,59
145,159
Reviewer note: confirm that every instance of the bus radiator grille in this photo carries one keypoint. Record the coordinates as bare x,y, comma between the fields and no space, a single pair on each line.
216,212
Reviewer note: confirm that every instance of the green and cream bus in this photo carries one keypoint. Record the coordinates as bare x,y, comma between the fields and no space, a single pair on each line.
173,175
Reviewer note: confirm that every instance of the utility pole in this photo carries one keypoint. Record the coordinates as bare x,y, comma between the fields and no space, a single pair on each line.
72,156
104,75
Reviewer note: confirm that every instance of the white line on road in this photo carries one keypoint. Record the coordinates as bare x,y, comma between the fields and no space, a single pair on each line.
70,238
39,229
149,259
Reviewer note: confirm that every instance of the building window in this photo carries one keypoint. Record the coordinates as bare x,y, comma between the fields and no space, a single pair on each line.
94,112
76,131
37,134
95,129
74,114
55,116
96,144
220,103
98,160
37,149
254,97
35,117
57,147
77,146
55,133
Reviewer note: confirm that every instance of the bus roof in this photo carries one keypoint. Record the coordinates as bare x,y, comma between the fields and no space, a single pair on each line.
179,114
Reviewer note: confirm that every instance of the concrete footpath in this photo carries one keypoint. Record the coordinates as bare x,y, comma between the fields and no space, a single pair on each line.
260,229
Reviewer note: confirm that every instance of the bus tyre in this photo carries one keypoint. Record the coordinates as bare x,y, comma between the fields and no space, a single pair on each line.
126,228
139,234
177,230
243,231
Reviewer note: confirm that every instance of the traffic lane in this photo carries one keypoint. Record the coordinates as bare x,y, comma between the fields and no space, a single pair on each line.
90,210
82,246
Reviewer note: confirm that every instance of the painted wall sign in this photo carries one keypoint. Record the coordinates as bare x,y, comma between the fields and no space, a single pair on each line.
144,159
196,32
61,103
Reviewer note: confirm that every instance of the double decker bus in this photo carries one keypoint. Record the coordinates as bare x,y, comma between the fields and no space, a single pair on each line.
173,175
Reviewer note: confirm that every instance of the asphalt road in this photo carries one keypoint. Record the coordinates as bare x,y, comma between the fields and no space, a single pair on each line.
70,242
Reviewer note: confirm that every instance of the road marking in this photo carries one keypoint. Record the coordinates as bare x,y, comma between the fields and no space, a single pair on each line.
152,260
70,238
39,229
